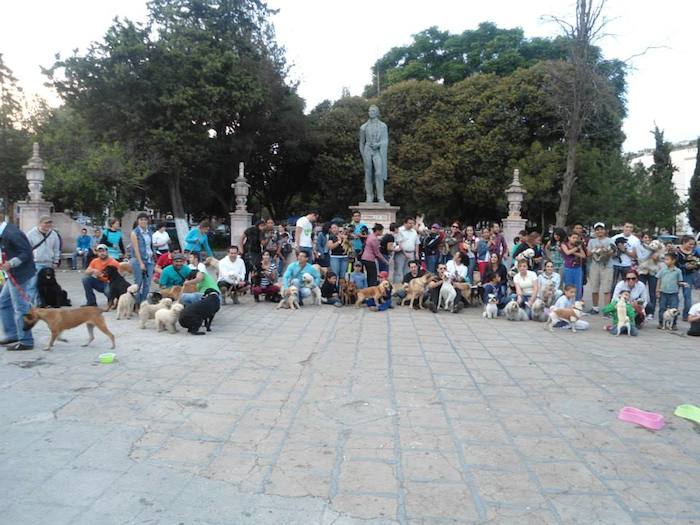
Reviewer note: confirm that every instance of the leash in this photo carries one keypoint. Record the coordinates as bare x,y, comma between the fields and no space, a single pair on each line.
21,291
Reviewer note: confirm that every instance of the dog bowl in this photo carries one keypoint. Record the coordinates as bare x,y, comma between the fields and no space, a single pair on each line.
689,412
107,358
649,420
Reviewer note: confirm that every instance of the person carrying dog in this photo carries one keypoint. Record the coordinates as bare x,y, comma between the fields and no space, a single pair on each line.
95,276
18,263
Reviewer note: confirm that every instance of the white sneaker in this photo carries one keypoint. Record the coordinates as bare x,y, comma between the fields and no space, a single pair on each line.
650,317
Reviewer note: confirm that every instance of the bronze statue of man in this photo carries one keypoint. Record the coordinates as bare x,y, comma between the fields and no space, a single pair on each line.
374,140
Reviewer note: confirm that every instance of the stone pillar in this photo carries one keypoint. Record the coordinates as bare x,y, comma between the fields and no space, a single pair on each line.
381,212
240,218
514,222
35,206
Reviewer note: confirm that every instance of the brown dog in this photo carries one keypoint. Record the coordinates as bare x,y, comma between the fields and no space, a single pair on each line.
125,267
175,292
64,319
322,271
416,289
350,295
376,292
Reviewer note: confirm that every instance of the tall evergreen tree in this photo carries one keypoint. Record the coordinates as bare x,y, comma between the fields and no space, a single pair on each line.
694,193
662,200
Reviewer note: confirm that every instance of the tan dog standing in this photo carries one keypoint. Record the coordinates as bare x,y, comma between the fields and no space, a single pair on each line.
416,289
148,311
376,292
166,318
290,298
125,305
62,319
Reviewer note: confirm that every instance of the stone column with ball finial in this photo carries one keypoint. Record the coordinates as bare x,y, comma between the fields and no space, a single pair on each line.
241,218
35,206
514,223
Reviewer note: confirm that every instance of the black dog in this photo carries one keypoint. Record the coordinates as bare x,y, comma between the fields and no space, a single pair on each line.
200,312
51,295
117,286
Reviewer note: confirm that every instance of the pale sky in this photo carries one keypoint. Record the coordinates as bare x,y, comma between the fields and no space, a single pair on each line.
333,43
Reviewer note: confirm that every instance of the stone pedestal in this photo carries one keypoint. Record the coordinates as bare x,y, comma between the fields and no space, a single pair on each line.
240,221
514,223
30,211
381,212
512,227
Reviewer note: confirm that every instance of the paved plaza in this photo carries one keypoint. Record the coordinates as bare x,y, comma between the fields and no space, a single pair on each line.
344,416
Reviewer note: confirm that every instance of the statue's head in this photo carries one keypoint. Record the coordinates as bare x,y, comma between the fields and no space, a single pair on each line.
373,111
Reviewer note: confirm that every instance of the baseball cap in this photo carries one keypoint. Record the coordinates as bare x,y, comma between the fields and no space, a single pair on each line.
598,225
178,257
436,225
101,247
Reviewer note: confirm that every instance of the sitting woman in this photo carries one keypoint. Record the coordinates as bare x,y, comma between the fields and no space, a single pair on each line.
611,310
496,266
526,286
264,277
459,275
329,290
637,289
550,284
493,287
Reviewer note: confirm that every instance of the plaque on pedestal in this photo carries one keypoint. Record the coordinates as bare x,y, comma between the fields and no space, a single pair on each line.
381,212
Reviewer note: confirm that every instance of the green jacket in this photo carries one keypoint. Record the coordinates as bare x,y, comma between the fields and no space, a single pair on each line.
612,310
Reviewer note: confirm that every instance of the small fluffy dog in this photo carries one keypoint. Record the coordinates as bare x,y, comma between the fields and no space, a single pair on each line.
125,306
537,310
376,292
491,308
166,318
448,294
51,295
526,255
290,298
203,311
315,290
416,289
651,264
148,311
570,315
623,320
548,293
514,312
60,320
117,286
669,318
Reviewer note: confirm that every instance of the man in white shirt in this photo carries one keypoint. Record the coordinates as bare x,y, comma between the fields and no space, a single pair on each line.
231,274
302,234
407,244
627,253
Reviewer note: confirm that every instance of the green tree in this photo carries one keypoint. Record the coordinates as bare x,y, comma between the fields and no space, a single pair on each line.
694,193
662,203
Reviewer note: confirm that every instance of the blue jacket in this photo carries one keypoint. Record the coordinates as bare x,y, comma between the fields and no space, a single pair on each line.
293,271
15,245
360,280
196,242
84,242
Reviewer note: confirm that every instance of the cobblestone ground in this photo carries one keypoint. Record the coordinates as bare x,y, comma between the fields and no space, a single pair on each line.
343,416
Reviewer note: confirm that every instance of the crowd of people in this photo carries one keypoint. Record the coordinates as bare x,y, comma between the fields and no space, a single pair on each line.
273,258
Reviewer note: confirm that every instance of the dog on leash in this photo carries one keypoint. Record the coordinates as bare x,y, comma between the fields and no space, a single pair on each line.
491,308
416,289
126,303
514,312
148,311
538,313
117,286
315,290
569,315
669,318
448,294
166,318
623,320
60,320
290,298
51,295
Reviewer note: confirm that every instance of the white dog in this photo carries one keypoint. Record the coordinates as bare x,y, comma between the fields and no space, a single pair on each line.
623,320
315,290
148,311
166,318
447,295
526,255
570,315
538,313
652,264
514,312
125,305
491,308
669,317
290,298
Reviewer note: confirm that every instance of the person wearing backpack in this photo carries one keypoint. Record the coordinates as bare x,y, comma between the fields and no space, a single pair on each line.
46,244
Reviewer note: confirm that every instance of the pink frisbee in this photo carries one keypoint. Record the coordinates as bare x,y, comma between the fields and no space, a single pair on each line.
649,420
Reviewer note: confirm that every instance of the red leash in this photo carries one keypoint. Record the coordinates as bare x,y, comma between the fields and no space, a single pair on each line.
21,291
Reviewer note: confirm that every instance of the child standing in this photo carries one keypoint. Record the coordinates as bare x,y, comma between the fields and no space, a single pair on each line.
668,282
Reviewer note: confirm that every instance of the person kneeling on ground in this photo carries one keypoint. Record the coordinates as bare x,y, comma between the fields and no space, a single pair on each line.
611,310
232,275
95,276
329,290
694,320
567,301
264,277
294,276
177,274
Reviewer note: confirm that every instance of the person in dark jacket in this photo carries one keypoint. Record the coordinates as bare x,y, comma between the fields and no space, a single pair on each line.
18,264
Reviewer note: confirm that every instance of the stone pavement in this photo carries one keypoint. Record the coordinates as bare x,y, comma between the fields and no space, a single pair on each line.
344,416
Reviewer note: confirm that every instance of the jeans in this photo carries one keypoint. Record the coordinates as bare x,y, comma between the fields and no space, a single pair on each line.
667,301
339,265
331,300
619,273
90,284
191,297
74,259
687,292
650,281
142,279
574,276
304,292
13,307
634,331
371,269
400,266
431,262
471,268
